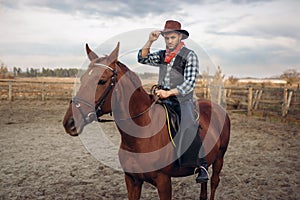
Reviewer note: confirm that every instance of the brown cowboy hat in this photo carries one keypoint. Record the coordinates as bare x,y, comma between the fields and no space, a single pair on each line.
172,25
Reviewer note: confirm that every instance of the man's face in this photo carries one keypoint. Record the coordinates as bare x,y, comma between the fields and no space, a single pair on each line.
172,39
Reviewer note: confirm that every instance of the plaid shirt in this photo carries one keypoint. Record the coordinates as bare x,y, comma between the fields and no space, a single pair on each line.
191,70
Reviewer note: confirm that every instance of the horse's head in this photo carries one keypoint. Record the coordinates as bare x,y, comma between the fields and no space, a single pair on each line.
93,97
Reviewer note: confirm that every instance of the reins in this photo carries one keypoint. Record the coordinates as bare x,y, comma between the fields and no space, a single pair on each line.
156,98
142,113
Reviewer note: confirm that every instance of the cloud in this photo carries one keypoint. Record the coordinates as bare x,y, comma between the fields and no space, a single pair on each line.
234,32
249,1
105,8
251,38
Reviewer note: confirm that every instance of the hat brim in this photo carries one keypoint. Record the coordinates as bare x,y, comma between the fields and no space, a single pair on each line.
184,33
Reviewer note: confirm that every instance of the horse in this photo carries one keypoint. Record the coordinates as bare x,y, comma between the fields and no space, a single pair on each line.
146,152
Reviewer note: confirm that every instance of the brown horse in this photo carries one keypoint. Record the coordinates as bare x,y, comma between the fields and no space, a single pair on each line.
146,152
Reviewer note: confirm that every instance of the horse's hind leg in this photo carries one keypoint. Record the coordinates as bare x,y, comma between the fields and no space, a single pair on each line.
134,187
215,178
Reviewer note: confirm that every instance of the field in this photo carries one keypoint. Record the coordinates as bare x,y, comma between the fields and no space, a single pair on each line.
40,161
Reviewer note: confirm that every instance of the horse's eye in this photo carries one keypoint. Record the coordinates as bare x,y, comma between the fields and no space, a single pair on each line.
101,82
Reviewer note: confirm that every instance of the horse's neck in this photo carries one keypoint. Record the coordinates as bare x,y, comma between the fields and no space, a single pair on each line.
139,121
132,98
141,100
139,104
142,132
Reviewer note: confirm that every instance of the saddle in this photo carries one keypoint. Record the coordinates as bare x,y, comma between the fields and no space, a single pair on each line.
173,120
188,157
173,117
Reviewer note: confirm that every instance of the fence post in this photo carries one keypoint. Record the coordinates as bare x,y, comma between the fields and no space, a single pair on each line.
258,98
10,91
206,91
43,91
250,92
219,95
289,99
284,105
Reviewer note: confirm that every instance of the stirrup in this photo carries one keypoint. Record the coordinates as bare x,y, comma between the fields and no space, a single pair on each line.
205,170
202,178
197,170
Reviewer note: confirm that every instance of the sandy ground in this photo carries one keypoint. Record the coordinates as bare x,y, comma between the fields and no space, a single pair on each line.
40,161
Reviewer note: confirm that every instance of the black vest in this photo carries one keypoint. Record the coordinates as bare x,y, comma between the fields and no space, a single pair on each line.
177,71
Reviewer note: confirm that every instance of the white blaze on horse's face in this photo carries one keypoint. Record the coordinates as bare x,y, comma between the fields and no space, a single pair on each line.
90,73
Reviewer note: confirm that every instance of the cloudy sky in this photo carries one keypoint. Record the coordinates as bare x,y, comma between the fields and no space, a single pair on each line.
257,38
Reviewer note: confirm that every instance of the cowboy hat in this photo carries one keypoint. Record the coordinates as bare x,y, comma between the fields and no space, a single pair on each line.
172,25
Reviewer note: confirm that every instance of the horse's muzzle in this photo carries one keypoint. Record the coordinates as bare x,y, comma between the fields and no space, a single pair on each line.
92,116
70,127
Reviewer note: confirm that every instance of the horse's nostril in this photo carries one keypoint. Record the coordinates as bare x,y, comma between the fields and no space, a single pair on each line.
68,123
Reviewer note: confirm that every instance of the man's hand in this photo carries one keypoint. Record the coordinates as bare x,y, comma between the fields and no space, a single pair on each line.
162,94
154,36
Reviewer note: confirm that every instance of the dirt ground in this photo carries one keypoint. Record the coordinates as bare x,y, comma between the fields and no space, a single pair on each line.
40,161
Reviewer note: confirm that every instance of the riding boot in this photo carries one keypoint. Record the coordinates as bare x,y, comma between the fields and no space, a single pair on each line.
203,175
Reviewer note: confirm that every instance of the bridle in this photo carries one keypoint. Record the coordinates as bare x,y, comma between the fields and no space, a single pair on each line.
98,107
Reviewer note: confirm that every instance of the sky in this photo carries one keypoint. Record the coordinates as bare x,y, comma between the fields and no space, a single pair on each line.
246,38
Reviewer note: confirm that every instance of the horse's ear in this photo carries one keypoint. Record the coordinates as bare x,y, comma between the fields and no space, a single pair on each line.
92,55
113,57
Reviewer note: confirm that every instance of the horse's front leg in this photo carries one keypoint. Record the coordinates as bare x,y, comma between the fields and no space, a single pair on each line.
215,178
164,186
203,193
134,187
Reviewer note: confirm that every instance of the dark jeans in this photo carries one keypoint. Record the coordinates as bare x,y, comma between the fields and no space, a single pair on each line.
188,141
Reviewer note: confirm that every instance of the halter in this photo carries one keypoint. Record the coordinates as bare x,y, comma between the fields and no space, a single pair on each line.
98,107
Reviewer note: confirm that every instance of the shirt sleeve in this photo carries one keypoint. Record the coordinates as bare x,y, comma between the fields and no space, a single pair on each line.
150,59
191,73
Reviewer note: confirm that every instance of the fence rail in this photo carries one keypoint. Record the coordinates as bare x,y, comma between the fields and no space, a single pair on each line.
279,101
39,90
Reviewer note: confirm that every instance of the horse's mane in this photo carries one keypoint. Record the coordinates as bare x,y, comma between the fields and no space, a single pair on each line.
125,70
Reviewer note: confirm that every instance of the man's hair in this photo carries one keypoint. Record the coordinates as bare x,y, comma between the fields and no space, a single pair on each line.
177,32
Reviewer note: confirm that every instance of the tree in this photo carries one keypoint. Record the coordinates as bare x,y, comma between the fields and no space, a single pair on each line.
218,77
15,70
232,80
3,69
19,71
291,76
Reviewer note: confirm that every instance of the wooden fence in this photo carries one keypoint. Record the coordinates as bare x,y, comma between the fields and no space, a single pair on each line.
277,101
35,90
267,101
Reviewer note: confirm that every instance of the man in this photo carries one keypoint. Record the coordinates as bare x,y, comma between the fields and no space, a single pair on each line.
178,72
